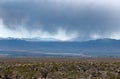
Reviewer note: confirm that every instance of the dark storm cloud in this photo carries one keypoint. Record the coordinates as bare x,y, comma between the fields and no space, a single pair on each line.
88,19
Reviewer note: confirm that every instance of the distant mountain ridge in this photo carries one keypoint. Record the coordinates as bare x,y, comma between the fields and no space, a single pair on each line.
93,48
30,39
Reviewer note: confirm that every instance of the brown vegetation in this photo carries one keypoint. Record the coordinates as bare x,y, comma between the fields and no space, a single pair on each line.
62,68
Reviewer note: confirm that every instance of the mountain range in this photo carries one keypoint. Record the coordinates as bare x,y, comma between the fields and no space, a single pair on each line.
26,48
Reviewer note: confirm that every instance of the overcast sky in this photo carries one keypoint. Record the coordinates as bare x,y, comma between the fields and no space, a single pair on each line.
64,20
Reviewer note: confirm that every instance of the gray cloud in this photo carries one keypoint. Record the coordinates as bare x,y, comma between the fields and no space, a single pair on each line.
86,19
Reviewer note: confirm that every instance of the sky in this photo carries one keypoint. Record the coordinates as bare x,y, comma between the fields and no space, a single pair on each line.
62,20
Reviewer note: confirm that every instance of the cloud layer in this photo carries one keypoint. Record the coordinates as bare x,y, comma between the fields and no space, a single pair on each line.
66,20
